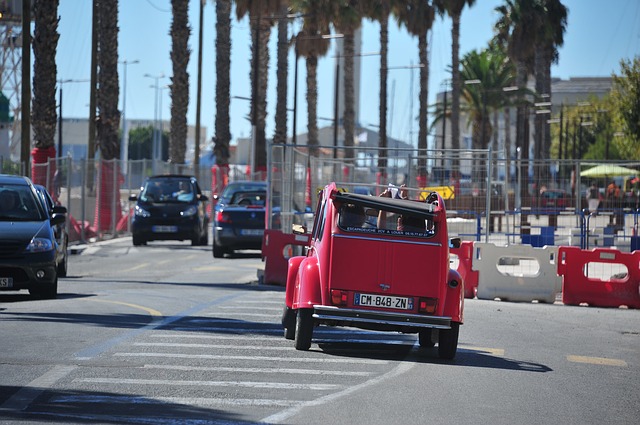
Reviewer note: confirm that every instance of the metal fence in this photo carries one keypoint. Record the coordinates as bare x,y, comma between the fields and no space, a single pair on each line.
489,198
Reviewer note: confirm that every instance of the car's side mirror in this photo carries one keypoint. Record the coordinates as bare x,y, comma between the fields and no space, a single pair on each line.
455,243
298,229
59,209
133,198
57,219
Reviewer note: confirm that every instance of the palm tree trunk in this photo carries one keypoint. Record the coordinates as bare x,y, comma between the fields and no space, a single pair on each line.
312,104
349,97
455,84
384,49
222,136
45,41
280,135
422,115
180,53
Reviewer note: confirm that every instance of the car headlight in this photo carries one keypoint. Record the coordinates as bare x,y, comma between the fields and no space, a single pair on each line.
192,210
39,245
141,212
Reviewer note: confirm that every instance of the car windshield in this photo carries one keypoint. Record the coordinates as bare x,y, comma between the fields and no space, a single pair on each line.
18,203
228,194
168,190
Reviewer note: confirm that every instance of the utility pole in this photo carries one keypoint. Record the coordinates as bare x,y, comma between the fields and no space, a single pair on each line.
26,87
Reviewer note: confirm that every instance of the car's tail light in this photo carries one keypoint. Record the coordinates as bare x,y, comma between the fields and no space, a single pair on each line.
338,297
427,305
222,217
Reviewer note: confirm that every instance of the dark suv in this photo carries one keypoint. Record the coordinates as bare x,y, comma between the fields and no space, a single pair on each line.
170,207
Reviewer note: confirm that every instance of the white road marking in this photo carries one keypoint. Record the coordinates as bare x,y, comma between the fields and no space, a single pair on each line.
265,358
257,370
202,402
23,398
244,384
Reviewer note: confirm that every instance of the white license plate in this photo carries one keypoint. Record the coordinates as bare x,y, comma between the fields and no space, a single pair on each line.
383,301
252,232
6,282
165,229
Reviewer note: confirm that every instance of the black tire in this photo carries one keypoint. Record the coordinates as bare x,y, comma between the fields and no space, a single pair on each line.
62,267
448,342
49,292
204,241
218,251
424,338
137,240
289,322
304,329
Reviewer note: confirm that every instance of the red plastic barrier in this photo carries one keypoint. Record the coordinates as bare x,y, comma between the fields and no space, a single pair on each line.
614,292
468,275
39,173
274,243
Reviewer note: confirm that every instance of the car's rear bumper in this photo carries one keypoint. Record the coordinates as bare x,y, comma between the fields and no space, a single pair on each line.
376,318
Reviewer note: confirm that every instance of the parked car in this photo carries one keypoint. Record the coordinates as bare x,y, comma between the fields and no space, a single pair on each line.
170,207
59,230
28,245
554,200
239,217
365,267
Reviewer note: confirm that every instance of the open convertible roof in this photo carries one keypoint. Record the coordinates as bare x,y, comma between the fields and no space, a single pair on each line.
399,206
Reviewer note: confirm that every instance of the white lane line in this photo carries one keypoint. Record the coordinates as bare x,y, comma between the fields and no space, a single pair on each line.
287,413
230,320
265,358
257,370
223,346
374,338
262,302
238,308
201,401
243,384
23,398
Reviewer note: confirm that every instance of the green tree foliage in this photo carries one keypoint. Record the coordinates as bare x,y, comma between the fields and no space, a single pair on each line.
141,144
626,98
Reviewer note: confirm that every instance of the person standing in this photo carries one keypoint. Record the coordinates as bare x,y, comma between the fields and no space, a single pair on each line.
593,198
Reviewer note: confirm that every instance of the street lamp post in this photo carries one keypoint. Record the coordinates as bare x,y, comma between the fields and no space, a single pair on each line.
124,148
154,155
62,82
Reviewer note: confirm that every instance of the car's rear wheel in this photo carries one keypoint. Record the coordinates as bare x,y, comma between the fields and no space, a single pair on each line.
289,322
218,251
424,338
448,342
304,329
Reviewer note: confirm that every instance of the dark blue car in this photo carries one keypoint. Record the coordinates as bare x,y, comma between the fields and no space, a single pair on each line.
28,245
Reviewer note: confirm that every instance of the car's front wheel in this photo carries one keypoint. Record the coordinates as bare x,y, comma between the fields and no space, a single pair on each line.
289,322
138,240
448,342
304,329
48,292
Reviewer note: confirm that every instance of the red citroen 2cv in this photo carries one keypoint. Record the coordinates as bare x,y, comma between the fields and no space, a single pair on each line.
376,263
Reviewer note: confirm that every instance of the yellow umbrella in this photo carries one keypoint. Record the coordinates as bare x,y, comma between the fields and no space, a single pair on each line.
608,170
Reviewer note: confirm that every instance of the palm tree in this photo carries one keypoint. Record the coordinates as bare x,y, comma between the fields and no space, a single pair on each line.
310,45
347,19
280,135
222,136
454,8
554,24
381,10
45,42
516,31
417,16
108,120
180,53
260,18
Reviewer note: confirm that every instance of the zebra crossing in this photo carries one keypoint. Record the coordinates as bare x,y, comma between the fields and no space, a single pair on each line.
228,363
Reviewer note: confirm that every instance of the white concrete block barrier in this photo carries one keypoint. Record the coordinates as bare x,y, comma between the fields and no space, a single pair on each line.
517,272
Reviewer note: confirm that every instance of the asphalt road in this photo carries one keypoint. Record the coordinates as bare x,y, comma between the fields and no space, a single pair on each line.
165,334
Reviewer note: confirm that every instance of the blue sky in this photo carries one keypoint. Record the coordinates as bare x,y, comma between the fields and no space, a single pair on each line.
597,38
